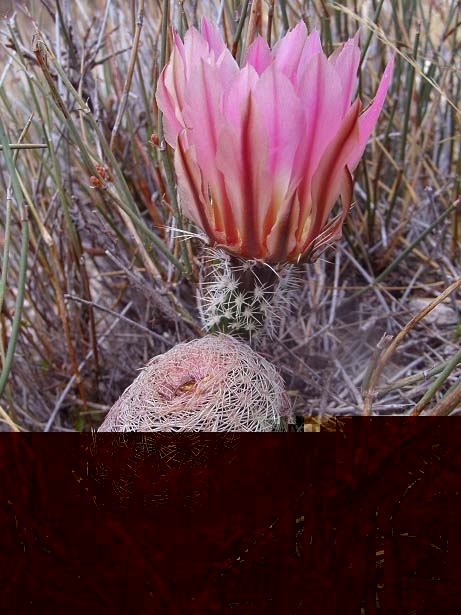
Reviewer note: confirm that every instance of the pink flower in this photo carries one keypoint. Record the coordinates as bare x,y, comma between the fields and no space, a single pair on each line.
263,151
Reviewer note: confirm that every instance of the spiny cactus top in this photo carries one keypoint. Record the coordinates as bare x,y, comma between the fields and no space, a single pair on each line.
263,151
215,383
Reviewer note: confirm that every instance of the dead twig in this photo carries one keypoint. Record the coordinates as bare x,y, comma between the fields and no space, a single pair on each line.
447,404
386,355
369,384
133,323
129,75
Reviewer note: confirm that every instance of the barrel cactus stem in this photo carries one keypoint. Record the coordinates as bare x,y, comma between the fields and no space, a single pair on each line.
245,297
215,383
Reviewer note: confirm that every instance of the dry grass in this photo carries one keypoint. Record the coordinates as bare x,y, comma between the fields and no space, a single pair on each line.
94,278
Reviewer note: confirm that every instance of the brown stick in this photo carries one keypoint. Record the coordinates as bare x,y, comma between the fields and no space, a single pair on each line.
129,75
449,402
254,23
386,355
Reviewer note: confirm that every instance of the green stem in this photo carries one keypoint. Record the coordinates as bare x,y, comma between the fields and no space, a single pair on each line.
23,259
167,166
283,10
6,248
409,380
238,34
449,367
16,146
370,34
409,89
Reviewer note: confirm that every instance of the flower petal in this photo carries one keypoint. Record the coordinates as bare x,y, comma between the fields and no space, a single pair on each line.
346,62
329,179
191,187
222,56
282,116
312,46
202,114
333,230
195,48
369,118
213,37
167,106
242,157
284,122
281,240
288,51
321,94
178,45
170,93
205,121
236,92
258,55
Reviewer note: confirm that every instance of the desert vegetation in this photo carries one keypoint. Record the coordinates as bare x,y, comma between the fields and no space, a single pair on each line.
101,268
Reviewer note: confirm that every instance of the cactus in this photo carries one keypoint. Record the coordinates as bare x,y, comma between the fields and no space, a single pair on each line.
245,297
215,383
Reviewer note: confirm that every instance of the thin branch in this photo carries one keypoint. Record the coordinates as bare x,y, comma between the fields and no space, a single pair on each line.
117,315
129,75
26,146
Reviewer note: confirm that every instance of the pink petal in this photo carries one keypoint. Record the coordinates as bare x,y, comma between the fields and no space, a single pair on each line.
205,121
208,206
333,230
195,48
288,51
212,35
242,157
228,67
222,56
178,44
284,122
177,82
281,240
202,114
170,95
191,188
321,94
346,62
320,90
236,93
369,118
258,55
312,46
331,177
282,117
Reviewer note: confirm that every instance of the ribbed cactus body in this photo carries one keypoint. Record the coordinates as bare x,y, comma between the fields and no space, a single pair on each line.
215,383
245,297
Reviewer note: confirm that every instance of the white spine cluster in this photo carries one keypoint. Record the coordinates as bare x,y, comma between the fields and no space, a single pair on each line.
243,296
